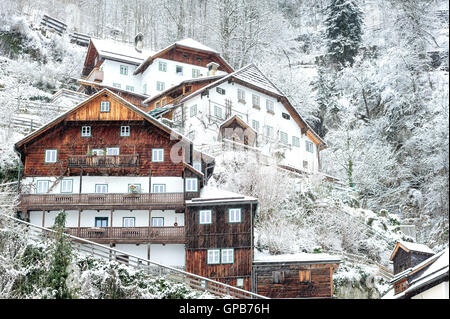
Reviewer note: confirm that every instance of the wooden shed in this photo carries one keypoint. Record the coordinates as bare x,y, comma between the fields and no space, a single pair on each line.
295,275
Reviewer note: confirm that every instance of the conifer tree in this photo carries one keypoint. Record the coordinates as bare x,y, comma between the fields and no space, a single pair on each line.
343,31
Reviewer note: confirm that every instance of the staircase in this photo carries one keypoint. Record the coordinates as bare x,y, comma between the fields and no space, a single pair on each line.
99,251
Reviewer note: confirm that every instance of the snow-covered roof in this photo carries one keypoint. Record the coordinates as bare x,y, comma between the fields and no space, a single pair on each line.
417,247
120,51
209,195
297,258
191,43
110,87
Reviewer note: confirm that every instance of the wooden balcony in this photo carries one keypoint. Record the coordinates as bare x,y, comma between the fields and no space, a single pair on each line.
156,235
103,161
102,201
95,76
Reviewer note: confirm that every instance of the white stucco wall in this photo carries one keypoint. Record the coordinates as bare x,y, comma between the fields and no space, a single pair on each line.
111,75
440,291
171,254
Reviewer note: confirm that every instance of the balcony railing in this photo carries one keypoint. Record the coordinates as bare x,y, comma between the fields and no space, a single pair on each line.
173,234
57,201
103,161
95,76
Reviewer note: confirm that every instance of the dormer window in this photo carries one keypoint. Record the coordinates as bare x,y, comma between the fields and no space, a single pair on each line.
105,106
191,184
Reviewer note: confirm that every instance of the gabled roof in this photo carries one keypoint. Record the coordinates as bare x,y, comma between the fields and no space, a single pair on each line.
111,88
407,246
212,195
185,43
252,77
120,51
124,102
239,120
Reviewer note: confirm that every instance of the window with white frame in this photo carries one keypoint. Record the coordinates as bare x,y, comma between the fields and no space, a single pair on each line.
309,146
101,188
130,88
179,70
205,217
284,137
218,111
117,85
269,106
255,100
193,110
159,188
255,125
51,156
128,222
42,187
125,130
85,131
112,151
241,95
227,256
269,131
98,151
234,215
123,70
191,184
158,221
105,106
213,256
240,282
295,141
162,66
158,155
66,186
160,86
195,73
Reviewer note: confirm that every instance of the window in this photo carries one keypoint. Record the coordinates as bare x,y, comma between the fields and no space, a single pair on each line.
205,217
179,70
157,104
158,221
163,102
255,125
98,151
286,116
66,186
117,85
130,88
191,184
269,131
295,141
104,106
213,256
240,282
218,111
112,151
234,215
220,91
255,101
195,73
125,130
269,106
158,155
144,88
162,66
85,131
304,275
42,187
193,110
197,166
123,70
283,137
101,188
134,188
309,146
160,86
241,96
277,277
159,188
101,221
51,156
128,222
228,256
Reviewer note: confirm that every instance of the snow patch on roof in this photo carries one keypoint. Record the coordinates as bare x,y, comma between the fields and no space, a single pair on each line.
210,194
417,247
120,51
191,43
260,257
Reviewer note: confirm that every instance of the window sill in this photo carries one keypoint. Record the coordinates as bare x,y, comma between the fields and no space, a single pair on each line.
271,112
256,107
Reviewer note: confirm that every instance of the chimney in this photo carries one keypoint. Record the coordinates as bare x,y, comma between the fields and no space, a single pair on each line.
212,68
139,42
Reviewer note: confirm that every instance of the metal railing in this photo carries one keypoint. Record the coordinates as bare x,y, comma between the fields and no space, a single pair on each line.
151,267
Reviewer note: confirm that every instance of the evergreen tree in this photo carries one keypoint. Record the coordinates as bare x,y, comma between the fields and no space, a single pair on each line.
343,31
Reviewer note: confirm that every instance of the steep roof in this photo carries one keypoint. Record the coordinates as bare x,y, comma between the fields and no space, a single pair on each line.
120,51
124,102
251,76
407,246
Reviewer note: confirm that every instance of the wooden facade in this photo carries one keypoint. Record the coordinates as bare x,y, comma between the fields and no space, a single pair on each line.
220,234
294,279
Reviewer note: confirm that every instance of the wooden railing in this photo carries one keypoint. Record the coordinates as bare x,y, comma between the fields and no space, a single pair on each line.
103,161
58,200
173,234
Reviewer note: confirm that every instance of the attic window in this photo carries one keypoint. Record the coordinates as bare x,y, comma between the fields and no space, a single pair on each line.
286,116
220,90
105,106
185,56
199,59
